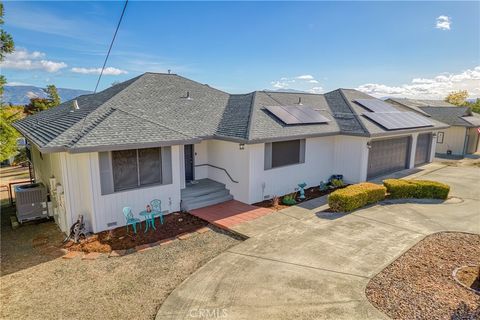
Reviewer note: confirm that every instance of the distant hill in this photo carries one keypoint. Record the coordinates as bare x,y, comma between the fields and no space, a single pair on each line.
19,95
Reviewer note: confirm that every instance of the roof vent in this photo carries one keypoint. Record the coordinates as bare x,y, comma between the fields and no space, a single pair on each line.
75,105
169,71
300,101
188,96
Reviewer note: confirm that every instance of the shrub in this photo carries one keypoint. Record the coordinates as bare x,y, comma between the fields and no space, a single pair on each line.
420,189
336,183
356,196
289,199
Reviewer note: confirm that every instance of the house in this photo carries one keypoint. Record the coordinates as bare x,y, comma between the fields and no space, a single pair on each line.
151,136
461,138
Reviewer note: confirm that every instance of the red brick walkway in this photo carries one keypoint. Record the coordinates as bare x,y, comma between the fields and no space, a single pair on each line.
230,213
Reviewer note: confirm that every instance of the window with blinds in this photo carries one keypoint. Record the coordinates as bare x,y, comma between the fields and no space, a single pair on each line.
135,168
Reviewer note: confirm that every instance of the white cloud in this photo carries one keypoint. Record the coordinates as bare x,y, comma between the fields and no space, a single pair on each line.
21,59
429,88
304,82
443,23
109,71
280,84
17,83
315,90
305,77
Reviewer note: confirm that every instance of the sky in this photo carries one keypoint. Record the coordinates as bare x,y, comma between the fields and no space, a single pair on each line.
404,49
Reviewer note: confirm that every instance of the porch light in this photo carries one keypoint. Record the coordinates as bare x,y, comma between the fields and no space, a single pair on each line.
242,146
369,145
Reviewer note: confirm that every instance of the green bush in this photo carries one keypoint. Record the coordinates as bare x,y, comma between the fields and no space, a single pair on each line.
356,196
420,189
336,183
289,199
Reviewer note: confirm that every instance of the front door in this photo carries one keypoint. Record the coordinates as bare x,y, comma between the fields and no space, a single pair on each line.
188,151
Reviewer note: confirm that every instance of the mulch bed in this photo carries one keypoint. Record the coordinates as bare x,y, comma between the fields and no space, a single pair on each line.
420,285
118,238
310,193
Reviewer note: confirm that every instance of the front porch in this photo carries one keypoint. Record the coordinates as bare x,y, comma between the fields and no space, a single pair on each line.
202,193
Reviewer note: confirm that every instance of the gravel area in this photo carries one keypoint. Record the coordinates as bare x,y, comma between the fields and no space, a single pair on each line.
129,287
419,284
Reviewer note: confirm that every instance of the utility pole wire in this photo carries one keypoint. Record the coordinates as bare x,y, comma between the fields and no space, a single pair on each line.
111,45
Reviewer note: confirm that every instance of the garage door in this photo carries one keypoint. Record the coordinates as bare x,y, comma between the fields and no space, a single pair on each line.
422,154
387,156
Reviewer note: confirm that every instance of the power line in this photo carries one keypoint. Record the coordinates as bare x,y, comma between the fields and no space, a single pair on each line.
111,45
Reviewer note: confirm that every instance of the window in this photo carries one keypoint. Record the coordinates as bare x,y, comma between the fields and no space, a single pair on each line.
130,169
284,153
136,168
440,137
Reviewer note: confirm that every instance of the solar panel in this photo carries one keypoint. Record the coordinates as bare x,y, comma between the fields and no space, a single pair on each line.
297,114
376,105
398,120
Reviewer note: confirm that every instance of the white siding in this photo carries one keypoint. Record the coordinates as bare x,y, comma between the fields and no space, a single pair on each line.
351,158
78,189
201,157
472,144
453,139
46,166
228,155
84,193
318,166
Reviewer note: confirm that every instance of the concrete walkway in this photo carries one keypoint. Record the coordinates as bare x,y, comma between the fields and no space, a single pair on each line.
316,265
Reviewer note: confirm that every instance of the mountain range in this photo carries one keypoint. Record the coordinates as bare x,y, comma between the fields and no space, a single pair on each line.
20,95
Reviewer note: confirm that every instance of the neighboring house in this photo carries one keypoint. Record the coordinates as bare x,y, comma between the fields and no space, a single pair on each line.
150,136
462,137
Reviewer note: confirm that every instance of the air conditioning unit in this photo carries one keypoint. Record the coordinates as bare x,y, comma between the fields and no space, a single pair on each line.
31,202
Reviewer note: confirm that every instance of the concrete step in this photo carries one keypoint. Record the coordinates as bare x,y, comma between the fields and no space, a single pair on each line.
201,189
205,202
206,196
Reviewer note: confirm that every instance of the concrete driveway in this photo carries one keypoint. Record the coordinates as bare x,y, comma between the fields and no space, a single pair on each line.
316,265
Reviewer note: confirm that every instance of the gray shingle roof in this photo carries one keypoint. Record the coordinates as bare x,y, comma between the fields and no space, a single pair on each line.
374,129
422,102
160,109
450,115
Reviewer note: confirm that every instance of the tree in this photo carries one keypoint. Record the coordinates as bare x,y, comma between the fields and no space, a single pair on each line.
8,134
6,46
37,104
458,98
475,106
53,95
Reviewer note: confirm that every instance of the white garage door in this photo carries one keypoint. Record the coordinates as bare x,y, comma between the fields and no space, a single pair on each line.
386,156
422,154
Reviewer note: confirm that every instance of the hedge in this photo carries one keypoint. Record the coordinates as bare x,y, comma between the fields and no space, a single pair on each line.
420,189
356,196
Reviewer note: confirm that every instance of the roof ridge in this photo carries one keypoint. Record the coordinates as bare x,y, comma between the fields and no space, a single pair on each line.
356,116
202,84
251,114
102,116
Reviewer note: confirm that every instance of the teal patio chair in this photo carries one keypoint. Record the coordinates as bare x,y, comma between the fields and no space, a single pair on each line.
157,209
131,220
